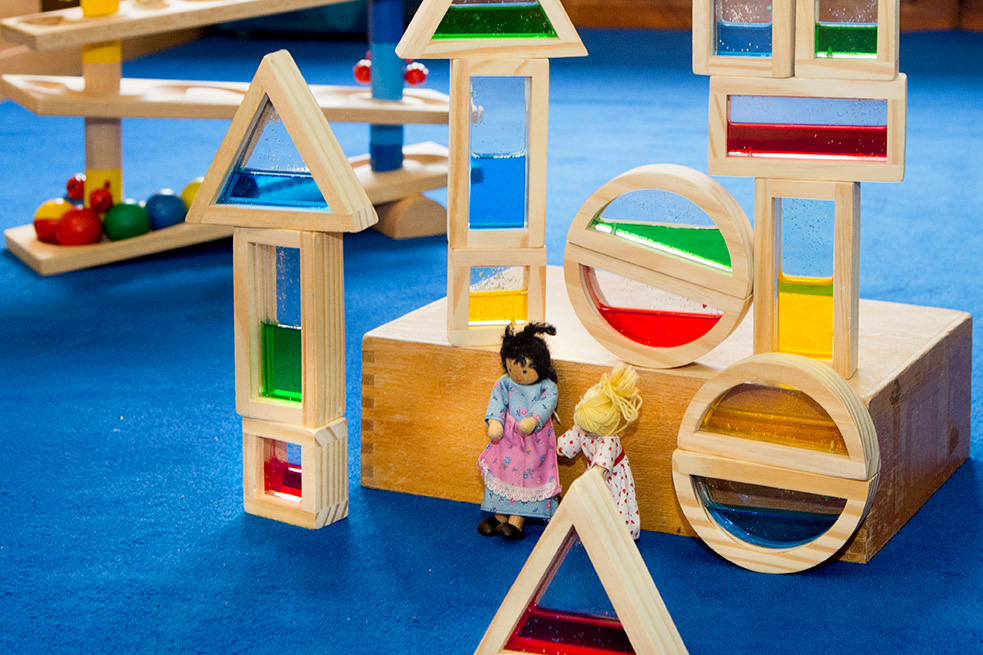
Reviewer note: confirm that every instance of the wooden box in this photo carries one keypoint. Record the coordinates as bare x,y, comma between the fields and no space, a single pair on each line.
423,402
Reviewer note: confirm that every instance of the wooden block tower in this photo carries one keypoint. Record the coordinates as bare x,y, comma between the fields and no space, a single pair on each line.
281,179
778,459
809,124
497,170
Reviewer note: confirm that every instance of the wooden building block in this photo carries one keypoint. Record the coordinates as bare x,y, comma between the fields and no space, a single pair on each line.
588,516
844,256
311,497
411,217
258,268
706,267
488,289
470,32
279,92
808,129
913,376
776,432
835,39
712,55
466,165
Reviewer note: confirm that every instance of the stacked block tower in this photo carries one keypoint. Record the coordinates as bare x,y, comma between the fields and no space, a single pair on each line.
281,180
499,103
809,123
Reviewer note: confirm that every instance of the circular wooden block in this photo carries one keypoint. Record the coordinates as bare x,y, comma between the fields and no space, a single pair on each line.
793,449
727,289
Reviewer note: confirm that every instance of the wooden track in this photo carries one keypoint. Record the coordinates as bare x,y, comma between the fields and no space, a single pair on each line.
424,168
48,95
67,27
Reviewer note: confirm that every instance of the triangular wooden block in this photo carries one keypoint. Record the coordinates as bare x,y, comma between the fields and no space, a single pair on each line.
512,29
328,199
589,512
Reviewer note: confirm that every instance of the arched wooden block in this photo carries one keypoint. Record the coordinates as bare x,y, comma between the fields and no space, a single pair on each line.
740,458
729,291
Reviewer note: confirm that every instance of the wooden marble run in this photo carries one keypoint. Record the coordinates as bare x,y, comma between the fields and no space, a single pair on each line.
774,460
641,624
103,98
496,191
287,215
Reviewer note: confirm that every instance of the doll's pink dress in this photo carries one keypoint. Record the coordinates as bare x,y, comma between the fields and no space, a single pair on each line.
607,453
520,471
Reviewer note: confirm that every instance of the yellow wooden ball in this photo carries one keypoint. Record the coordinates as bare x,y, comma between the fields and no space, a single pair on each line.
190,191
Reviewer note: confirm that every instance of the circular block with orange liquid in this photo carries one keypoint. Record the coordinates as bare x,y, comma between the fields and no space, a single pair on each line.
777,463
658,265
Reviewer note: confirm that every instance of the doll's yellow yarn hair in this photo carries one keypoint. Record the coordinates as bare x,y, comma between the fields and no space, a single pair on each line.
610,405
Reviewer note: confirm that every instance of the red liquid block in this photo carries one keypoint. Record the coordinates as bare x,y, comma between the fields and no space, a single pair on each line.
282,477
552,632
819,140
656,328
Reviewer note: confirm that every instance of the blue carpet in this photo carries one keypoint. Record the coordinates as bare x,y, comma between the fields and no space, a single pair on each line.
121,526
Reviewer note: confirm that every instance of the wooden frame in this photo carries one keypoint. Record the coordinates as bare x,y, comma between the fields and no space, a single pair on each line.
883,67
322,324
589,512
852,477
459,264
279,80
418,41
889,169
846,265
324,472
726,291
779,64
536,73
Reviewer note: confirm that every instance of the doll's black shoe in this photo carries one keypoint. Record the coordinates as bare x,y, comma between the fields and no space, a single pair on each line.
487,527
509,532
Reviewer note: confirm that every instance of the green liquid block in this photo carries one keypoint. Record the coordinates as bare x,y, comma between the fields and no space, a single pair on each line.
495,21
845,40
282,362
701,243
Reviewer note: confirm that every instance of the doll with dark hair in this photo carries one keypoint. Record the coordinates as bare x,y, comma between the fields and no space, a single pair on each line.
519,463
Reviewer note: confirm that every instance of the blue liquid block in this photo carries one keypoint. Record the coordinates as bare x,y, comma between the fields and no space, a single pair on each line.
770,528
498,192
743,39
288,189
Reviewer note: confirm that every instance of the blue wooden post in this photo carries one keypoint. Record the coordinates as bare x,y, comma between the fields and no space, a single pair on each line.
385,30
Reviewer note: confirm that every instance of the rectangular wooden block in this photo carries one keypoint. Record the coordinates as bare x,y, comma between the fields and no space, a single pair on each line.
914,376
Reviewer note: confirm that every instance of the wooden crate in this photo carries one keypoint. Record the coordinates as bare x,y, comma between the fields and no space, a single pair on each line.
423,402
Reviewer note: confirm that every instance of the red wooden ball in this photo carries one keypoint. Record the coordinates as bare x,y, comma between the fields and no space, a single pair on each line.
416,73
363,71
101,200
78,227
75,187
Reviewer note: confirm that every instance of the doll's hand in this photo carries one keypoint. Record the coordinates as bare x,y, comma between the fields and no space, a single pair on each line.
528,425
495,430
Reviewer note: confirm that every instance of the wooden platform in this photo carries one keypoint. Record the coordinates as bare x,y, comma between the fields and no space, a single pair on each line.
424,168
423,402
67,27
51,95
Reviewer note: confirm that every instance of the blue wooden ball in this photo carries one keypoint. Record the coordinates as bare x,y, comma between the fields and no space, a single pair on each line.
165,209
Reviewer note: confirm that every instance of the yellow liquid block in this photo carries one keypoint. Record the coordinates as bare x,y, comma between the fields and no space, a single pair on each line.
805,324
778,415
486,307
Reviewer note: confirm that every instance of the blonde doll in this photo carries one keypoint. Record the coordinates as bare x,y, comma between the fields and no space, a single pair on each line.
602,414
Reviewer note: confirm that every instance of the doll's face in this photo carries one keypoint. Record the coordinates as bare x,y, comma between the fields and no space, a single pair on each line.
521,372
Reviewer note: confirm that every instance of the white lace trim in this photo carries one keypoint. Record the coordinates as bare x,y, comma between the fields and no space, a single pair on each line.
521,494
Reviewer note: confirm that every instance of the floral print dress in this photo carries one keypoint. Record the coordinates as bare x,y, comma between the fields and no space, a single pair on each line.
607,453
519,470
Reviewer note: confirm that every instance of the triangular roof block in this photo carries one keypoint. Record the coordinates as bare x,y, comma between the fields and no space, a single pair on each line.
588,512
513,29
251,183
